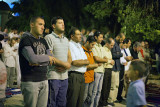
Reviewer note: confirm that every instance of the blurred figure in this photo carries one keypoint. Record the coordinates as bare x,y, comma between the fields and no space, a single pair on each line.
135,50
136,92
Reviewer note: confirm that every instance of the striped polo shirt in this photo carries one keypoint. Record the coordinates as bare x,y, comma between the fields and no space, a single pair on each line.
59,47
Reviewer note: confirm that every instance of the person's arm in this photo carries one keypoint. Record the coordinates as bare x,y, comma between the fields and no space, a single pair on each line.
79,63
69,57
32,58
116,54
92,66
1,51
100,60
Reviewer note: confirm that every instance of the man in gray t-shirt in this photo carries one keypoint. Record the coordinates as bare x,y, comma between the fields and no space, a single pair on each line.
57,74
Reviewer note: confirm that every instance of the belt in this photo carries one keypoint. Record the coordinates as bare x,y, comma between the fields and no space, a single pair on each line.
76,72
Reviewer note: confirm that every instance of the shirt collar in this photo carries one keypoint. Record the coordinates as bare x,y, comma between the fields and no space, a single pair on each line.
57,35
76,44
86,49
136,81
98,44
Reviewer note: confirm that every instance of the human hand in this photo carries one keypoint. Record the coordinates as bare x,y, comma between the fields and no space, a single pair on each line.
60,69
112,62
106,59
52,59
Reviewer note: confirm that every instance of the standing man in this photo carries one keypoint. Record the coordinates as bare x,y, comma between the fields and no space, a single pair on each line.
107,73
89,74
76,79
34,57
135,50
116,54
58,75
99,71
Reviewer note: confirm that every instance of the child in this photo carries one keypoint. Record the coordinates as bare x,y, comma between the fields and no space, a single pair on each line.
136,91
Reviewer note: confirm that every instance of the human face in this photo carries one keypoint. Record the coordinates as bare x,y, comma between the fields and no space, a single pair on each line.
110,46
59,26
142,44
122,38
128,44
146,45
91,45
139,48
99,38
77,36
124,46
38,26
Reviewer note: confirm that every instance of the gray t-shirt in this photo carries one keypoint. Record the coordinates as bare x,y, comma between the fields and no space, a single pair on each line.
59,47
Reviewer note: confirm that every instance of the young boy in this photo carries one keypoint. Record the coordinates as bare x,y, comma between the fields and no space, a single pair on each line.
136,91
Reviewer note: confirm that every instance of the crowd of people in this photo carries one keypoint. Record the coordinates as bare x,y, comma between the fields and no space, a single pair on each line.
80,71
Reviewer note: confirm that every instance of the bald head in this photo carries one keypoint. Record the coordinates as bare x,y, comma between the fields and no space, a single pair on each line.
110,43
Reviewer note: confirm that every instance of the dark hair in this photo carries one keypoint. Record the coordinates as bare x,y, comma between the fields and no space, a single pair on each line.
72,31
97,33
91,39
121,35
140,66
1,37
54,19
108,40
34,18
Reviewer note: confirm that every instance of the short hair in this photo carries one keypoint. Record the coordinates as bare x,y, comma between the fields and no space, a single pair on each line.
72,31
121,35
1,37
54,19
109,40
140,66
136,44
91,39
34,18
97,33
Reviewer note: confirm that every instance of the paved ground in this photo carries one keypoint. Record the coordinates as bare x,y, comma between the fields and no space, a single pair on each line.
17,100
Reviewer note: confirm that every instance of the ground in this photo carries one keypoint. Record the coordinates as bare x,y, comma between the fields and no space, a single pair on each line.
17,100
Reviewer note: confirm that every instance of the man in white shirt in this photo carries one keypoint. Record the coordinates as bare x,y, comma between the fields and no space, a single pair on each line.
76,78
125,62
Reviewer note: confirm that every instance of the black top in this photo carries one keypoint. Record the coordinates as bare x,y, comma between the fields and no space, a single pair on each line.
39,46
134,54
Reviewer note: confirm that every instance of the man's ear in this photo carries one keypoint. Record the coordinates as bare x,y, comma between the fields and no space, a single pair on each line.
96,37
53,26
71,36
31,24
137,73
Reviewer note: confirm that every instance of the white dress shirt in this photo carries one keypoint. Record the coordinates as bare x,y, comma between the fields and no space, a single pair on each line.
77,53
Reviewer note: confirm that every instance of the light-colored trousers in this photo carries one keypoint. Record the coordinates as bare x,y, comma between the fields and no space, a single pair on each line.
98,81
114,86
35,94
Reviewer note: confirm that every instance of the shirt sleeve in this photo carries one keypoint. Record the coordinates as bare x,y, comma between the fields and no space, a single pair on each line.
32,58
71,47
94,51
139,96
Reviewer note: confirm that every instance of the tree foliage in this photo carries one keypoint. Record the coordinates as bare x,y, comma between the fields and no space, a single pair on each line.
139,19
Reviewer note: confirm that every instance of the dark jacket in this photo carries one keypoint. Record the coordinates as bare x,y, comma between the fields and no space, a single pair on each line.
116,54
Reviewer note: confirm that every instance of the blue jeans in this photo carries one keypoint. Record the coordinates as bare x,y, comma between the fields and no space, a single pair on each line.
35,93
98,81
57,93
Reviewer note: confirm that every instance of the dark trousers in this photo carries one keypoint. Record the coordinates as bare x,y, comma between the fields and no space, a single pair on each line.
121,83
76,87
57,93
106,87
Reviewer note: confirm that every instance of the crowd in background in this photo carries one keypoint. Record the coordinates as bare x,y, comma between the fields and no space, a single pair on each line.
99,65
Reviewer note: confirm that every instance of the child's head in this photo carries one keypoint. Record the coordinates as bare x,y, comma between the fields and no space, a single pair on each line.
137,70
